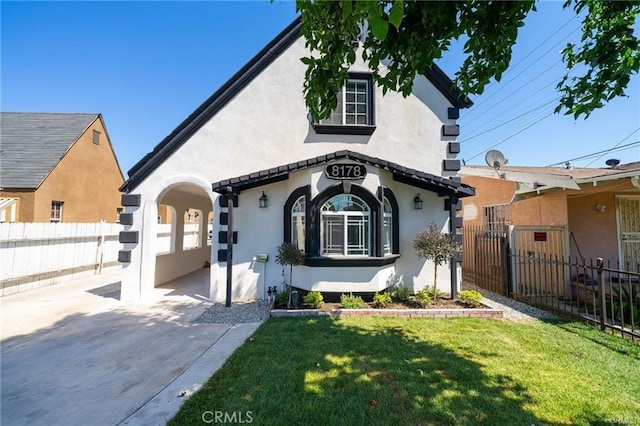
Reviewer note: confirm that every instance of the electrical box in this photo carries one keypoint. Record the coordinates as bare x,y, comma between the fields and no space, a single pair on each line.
263,257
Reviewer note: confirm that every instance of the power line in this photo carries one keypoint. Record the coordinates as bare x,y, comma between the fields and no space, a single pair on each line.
510,121
619,148
504,84
514,134
615,146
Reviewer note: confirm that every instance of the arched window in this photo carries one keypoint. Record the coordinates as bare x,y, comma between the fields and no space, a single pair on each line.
345,226
297,222
387,232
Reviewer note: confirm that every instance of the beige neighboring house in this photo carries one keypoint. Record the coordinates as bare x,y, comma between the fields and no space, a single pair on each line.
57,167
596,211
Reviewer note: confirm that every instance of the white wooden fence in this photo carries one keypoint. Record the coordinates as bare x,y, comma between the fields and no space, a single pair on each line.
38,254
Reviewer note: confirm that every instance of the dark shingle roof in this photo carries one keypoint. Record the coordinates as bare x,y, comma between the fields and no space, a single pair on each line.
416,178
241,79
31,144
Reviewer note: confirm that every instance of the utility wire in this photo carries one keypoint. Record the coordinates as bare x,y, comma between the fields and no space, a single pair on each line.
510,136
615,146
510,121
503,85
619,148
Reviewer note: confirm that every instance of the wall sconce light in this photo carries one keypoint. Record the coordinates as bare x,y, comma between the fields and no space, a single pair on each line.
417,202
601,207
263,200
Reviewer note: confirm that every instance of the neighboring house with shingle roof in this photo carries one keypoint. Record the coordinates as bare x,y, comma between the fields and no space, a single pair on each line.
57,167
598,209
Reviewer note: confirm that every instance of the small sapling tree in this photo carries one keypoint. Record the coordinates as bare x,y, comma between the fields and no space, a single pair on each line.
435,246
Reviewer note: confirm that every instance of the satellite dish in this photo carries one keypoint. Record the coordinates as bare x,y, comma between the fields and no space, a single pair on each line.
495,159
612,162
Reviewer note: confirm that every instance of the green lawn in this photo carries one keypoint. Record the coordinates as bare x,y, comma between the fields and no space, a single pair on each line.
368,371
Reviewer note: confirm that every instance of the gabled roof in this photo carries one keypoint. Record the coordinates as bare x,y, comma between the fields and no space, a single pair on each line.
239,81
31,144
418,179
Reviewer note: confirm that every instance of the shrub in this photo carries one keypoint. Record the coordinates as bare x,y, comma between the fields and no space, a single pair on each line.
351,302
400,293
433,291
282,299
470,297
381,300
314,299
423,298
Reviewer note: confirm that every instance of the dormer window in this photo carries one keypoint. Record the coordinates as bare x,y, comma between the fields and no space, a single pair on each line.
355,111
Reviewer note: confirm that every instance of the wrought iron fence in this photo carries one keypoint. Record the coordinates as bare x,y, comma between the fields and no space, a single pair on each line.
596,291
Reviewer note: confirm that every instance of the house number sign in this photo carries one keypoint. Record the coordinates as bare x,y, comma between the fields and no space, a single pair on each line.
346,171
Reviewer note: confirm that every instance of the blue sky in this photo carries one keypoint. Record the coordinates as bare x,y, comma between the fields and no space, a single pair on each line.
147,65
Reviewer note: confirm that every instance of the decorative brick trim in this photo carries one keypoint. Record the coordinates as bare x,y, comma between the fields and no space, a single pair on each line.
453,113
450,130
222,255
447,205
128,237
126,218
130,200
224,218
124,256
222,237
224,200
398,313
454,147
451,165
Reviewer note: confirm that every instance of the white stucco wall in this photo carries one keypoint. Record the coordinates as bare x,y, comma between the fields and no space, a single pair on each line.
265,126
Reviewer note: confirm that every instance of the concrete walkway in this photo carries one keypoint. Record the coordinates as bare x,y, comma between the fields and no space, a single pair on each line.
72,354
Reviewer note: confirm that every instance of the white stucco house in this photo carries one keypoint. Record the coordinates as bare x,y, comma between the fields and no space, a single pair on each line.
352,191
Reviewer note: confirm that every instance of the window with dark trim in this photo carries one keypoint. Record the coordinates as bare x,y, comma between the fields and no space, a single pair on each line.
355,111
354,228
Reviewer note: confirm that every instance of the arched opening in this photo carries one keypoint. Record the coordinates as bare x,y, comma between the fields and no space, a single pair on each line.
183,244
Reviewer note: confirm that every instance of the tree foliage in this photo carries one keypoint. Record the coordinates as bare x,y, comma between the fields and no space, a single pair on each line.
437,247
289,254
408,36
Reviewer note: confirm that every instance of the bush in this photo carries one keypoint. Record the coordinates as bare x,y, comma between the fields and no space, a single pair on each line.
400,293
282,299
433,291
381,300
351,302
423,298
470,297
314,299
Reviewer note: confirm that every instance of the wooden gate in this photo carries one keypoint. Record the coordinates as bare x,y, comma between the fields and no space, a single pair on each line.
537,260
485,259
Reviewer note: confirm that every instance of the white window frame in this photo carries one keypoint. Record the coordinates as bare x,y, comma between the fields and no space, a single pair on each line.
346,219
387,227
339,115
298,217
56,211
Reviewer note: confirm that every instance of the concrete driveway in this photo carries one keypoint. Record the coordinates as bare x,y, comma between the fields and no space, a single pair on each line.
72,354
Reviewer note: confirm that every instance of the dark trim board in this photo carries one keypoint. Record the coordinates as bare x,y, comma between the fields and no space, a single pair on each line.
333,262
412,177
